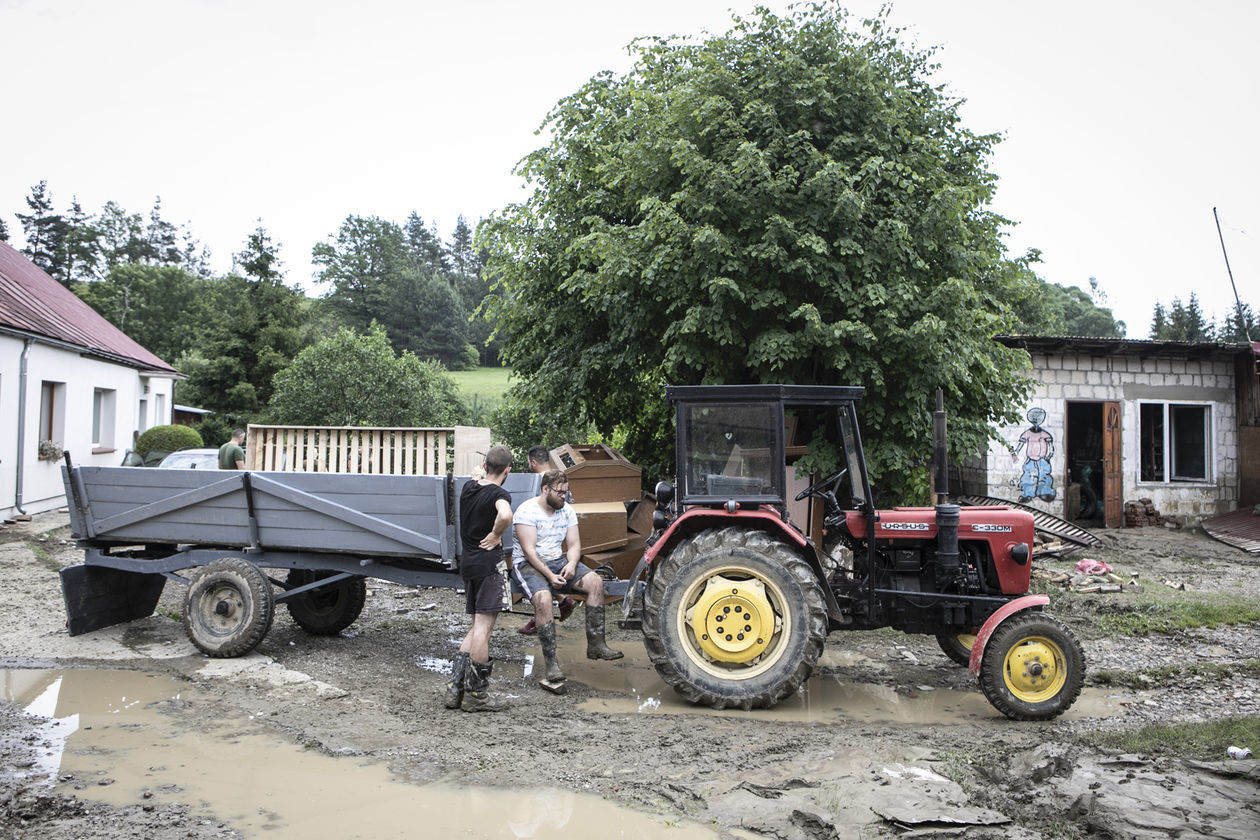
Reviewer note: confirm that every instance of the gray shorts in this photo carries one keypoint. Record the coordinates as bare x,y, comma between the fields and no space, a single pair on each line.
531,581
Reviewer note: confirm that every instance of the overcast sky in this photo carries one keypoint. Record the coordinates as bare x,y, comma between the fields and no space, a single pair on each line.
1125,123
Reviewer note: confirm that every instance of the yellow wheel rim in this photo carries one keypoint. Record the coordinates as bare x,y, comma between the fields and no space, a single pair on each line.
732,622
1035,669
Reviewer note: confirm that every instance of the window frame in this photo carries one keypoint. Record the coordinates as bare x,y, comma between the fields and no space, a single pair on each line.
1168,440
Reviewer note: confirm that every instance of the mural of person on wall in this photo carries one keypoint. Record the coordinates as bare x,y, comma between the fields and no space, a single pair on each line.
1035,481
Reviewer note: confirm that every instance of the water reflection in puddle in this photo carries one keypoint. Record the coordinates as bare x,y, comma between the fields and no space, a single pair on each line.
827,698
142,733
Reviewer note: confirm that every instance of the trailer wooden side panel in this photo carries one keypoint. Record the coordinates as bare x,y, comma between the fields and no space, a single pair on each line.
373,515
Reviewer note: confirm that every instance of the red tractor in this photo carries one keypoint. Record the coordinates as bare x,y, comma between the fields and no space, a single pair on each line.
743,583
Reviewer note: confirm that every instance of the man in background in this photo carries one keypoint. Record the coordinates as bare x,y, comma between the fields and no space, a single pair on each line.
231,455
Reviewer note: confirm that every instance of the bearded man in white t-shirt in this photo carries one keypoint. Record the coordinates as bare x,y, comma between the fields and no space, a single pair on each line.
545,524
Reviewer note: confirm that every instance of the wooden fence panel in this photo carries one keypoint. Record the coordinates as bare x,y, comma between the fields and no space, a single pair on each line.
366,449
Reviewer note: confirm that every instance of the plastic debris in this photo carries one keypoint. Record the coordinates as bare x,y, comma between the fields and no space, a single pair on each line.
1092,567
1238,752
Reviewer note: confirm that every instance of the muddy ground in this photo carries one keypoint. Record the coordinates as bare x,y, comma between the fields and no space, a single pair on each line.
890,739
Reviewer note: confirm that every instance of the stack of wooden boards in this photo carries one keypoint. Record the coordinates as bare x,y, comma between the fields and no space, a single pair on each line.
614,514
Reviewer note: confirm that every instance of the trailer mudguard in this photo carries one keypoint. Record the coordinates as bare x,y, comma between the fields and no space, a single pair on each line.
98,596
1004,612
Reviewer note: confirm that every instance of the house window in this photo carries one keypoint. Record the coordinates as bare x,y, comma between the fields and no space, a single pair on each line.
103,418
1176,442
52,414
159,410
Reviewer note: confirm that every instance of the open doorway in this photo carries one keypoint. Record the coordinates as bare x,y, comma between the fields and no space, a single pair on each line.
1085,463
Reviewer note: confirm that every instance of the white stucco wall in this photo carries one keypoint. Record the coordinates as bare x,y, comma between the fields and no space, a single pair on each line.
78,378
1130,381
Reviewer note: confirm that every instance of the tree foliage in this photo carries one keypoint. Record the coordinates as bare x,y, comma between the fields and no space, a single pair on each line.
1043,308
355,379
792,201
1180,322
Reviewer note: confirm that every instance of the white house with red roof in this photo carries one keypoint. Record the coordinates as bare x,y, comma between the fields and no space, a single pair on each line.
69,377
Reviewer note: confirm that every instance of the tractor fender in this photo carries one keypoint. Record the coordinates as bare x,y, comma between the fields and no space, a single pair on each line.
1004,612
764,519
698,519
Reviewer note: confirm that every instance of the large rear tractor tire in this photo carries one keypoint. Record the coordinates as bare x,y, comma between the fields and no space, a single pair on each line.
228,608
327,611
957,646
734,618
1033,667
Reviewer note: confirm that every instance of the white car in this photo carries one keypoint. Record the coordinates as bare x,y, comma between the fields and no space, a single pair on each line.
191,459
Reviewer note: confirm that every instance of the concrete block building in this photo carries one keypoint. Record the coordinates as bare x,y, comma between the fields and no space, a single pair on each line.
1113,421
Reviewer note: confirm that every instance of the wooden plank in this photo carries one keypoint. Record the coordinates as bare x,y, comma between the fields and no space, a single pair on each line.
182,500
263,484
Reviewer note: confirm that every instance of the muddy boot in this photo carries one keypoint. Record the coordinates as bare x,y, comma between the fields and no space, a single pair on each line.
477,697
596,647
455,685
554,679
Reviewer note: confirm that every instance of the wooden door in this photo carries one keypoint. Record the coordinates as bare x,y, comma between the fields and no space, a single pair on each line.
1113,483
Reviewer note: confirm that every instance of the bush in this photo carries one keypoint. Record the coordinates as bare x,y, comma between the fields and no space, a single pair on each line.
169,439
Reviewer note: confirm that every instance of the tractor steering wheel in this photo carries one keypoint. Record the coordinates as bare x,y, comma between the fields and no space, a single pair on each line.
829,483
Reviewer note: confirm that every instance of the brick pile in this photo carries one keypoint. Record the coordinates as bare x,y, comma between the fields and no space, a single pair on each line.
1141,513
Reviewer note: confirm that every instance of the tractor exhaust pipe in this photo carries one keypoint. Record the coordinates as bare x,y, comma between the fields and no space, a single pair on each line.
947,515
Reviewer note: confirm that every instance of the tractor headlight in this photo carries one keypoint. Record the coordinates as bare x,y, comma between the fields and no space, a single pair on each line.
664,494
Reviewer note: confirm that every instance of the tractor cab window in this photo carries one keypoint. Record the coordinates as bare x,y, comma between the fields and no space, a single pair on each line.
732,451
853,460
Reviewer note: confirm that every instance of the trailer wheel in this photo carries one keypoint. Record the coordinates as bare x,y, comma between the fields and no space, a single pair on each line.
327,611
1033,667
734,618
957,646
228,608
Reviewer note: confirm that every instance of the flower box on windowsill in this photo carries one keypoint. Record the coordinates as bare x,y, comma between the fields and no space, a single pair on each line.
50,450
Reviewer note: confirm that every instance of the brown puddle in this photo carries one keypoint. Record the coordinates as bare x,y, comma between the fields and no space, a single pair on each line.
141,732
827,698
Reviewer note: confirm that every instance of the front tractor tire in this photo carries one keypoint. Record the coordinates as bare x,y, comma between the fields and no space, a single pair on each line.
734,618
228,608
1033,667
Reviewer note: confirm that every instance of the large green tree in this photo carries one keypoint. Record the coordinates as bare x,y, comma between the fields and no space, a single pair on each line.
161,307
354,379
1181,321
795,200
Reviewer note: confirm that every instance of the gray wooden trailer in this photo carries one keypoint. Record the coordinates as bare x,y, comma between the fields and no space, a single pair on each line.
140,528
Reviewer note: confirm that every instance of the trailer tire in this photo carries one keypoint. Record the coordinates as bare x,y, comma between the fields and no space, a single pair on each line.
228,608
328,611
772,590
1033,667
957,646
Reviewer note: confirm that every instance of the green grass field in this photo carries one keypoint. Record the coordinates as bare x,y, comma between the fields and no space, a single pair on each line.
485,384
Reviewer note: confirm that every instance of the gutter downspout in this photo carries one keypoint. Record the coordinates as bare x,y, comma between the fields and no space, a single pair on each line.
21,426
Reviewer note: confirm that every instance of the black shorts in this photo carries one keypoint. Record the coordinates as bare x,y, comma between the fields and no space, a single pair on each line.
489,594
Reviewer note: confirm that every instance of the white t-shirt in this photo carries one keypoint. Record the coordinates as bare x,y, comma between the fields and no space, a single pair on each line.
552,528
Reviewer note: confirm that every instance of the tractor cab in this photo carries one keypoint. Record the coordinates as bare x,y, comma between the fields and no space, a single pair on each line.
781,446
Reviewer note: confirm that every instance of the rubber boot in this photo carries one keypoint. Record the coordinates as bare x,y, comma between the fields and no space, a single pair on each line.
596,647
554,679
477,697
455,685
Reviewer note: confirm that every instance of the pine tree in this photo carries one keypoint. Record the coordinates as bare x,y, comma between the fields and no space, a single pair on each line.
425,245
80,247
1159,322
122,237
261,258
1241,326
463,259
161,238
44,231
4,231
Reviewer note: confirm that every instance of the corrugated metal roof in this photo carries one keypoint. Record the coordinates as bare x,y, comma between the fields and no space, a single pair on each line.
32,302
1240,529
1127,346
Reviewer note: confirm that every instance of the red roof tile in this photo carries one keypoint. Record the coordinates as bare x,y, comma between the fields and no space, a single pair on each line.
32,302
